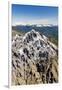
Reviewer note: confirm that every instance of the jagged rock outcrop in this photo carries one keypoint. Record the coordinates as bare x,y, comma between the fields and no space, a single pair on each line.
34,59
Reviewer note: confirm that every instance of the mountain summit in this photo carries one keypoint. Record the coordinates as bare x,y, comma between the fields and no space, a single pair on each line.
32,56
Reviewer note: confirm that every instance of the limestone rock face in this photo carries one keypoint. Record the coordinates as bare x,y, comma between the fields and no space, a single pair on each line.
34,59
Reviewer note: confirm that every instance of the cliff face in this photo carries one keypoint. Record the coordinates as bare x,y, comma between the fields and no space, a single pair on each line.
34,59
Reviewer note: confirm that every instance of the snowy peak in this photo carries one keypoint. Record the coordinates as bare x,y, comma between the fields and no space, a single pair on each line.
33,36
32,56
36,46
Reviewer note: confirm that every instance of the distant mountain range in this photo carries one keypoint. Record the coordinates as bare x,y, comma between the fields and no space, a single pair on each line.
37,25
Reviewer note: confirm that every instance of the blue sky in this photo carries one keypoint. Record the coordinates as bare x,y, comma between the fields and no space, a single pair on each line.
28,14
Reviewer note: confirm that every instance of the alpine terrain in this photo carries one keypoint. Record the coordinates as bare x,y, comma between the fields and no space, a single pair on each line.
34,59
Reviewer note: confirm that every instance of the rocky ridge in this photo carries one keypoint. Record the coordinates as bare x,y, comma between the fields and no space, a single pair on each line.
34,59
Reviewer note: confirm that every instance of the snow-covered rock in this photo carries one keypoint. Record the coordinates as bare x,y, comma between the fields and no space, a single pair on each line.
35,44
29,49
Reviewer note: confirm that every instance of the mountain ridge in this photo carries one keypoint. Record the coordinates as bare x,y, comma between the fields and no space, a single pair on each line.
31,55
